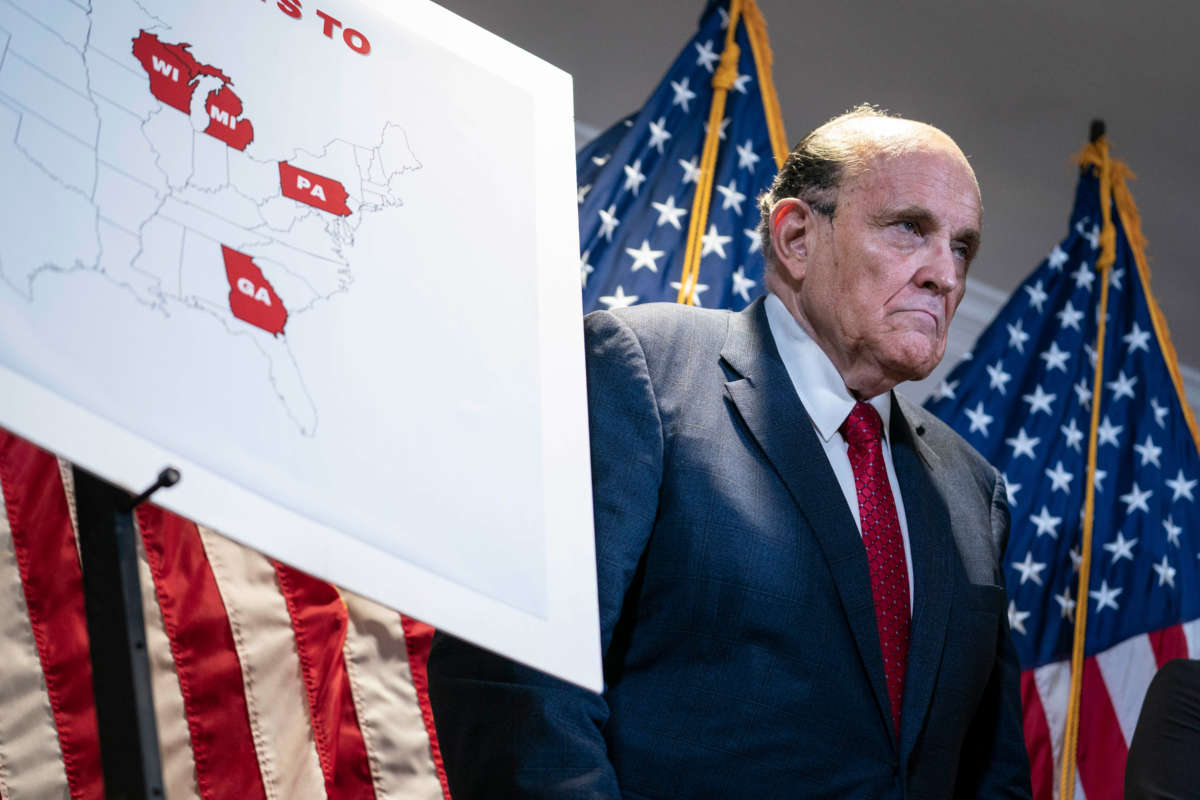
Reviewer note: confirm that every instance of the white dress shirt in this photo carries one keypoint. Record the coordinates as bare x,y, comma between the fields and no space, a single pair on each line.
828,403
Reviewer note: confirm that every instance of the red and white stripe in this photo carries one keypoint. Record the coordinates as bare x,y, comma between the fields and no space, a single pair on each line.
267,682
1114,685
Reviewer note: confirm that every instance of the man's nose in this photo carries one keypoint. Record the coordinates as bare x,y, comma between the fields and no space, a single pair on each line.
940,272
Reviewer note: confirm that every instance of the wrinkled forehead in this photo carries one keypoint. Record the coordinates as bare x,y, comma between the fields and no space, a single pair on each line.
916,161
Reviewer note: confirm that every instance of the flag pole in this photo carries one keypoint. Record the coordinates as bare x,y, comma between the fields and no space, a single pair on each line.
1095,153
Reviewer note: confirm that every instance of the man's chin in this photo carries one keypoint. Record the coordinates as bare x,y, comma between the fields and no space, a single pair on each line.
914,364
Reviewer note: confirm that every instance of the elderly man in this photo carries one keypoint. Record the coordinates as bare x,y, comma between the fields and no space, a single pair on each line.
800,588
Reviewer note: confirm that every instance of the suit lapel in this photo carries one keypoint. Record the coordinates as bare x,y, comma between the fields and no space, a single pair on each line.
932,544
767,402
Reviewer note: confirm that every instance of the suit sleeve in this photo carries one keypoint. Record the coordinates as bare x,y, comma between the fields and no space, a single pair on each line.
507,730
994,761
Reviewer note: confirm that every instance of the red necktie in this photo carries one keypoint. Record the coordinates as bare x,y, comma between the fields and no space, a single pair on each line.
885,547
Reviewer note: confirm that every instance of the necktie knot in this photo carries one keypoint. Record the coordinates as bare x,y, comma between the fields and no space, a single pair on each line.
863,426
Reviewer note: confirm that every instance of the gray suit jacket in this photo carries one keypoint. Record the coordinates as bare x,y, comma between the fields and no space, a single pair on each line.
738,629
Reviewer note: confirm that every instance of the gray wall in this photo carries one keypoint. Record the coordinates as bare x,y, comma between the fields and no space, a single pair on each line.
1016,83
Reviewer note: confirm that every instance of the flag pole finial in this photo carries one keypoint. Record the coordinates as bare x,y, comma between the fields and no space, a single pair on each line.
1096,130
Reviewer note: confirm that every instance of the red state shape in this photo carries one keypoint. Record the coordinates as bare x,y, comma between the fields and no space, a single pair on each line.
312,189
224,109
251,297
170,67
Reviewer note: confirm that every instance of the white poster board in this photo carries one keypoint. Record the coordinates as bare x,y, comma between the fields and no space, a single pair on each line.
321,257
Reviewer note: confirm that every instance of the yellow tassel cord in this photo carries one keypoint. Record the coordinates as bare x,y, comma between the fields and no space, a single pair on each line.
764,59
1113,189
722,82
1097,155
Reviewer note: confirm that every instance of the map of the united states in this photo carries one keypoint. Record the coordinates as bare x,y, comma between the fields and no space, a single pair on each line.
144,152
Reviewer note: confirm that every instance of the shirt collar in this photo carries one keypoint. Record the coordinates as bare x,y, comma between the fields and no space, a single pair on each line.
816,379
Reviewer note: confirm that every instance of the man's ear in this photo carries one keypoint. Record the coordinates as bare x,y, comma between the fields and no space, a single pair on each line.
793,229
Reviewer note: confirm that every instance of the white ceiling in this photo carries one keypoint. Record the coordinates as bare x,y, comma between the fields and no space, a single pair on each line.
1014,82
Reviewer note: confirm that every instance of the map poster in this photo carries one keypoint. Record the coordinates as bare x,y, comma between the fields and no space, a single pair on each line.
320,256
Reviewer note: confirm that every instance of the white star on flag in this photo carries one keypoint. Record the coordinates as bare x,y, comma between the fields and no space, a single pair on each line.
755,239
700,287
1030,569
1073,434
1016,619
1055,358
1172,530
1137,339
1106,597
1098,478
1083,393
1135,499
682,94
1057,258
1092,236
1083,277
1166,573
600,161
1010,491
669,213
997,377
691,170
1059,478
659,134
1181,487
946,390
706,56
1037,296
1122,386
1108,432
633,176
619,299
608,222
721,130
1121,547
1070,317
1066,605
1160,412
644,257
582,193
1091,353
1076,557
1149,451
1022,444
1047,524
585,268
731,197
980,420
713,242
1114,278
1040,400
1017,336
739,83
742,285
747,158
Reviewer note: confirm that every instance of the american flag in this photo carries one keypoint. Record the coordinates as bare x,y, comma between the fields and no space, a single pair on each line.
267,683
637,181
1024,397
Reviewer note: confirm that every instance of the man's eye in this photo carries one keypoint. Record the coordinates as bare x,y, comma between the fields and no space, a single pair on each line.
909,226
